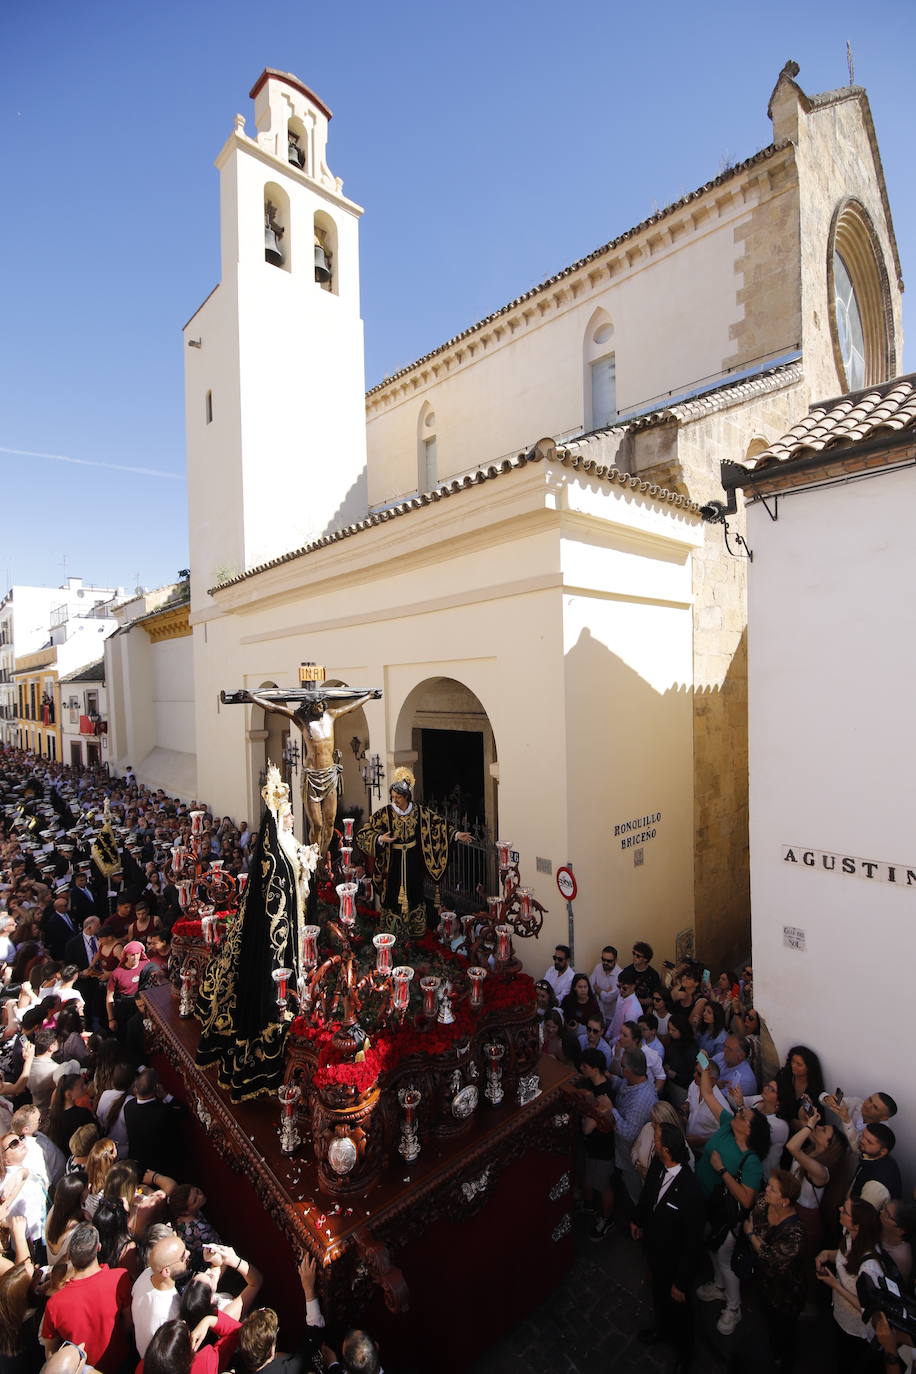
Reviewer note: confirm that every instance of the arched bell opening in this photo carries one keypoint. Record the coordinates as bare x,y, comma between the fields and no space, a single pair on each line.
277,239
297,144
327,266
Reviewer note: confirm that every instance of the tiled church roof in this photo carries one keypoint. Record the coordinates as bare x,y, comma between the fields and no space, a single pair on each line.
486,473
831,426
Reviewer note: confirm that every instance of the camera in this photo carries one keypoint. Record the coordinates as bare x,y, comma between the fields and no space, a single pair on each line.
884,1296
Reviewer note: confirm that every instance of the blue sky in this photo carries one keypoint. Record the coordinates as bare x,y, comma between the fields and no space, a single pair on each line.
490,144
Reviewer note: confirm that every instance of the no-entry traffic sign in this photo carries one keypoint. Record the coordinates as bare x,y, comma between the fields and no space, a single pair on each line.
566,883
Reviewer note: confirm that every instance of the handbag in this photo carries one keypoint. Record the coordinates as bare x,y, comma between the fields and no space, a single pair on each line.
724,1212
744,1258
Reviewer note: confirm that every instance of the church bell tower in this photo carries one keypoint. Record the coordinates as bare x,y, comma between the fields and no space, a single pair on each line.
274,377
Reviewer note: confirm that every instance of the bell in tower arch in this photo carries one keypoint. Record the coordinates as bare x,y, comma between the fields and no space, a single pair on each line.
273,233
322,263
295,153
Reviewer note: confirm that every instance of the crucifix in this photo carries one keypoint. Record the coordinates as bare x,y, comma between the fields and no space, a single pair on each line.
314,709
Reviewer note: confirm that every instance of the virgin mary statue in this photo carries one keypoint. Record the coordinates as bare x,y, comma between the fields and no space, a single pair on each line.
243,1030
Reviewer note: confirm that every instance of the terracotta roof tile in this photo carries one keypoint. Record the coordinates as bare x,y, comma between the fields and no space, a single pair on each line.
729,393
93,672
486,473
836,424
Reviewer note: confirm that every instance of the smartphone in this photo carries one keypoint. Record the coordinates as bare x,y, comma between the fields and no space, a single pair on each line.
707,976
838,1095
806,1102
703,1059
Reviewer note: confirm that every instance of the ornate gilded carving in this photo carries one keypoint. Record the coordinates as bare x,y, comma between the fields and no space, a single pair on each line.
561,1187
476,1185
562,1228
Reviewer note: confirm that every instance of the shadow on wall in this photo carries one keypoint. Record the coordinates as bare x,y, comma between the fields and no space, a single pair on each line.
628,752
631,751
353,508
722,884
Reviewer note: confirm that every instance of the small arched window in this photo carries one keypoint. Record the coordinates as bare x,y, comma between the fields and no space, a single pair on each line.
600,407
427,450
277,238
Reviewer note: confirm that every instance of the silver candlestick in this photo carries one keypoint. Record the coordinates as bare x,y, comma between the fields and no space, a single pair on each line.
186,998
409,1146
289,1095
494,1089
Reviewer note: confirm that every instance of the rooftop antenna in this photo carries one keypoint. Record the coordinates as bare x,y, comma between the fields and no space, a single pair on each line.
850,64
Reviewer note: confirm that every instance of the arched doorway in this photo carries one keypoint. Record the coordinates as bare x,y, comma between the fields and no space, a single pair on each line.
444,735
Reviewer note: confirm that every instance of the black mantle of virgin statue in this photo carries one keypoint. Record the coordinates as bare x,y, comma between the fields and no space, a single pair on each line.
242,1031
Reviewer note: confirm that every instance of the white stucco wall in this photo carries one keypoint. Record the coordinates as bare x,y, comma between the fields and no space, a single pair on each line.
173,694
833,769
283,458
673,301
152,711
505,589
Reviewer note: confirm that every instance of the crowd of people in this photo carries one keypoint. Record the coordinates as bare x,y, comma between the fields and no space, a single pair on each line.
694,1139
108,1261
715,1156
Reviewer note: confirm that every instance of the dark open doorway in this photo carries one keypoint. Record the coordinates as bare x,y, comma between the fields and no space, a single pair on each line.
453,775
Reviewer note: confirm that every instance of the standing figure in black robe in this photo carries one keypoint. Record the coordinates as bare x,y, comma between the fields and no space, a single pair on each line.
243,1029
406,843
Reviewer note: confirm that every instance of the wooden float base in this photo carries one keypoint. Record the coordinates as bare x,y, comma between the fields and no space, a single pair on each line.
441,1258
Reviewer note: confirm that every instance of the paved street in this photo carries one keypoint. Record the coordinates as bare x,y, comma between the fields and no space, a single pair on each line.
590,1326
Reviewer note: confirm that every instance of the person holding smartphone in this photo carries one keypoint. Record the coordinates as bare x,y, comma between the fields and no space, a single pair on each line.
730,1173
840,1270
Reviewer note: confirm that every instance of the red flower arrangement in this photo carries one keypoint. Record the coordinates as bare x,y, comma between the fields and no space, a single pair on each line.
191,930
502,992
188,930
431,944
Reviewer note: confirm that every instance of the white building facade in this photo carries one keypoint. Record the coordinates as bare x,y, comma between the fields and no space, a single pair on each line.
564,606
832,755
46,632
84,717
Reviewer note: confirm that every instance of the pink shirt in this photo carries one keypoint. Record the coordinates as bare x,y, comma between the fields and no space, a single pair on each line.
126,980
